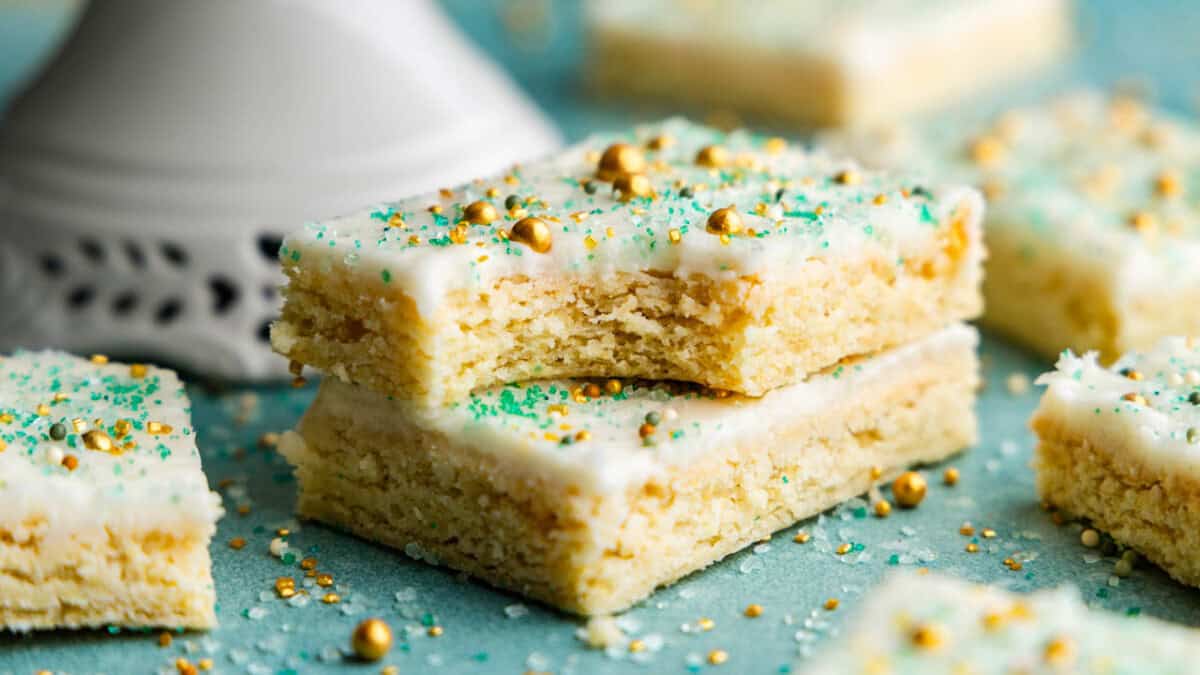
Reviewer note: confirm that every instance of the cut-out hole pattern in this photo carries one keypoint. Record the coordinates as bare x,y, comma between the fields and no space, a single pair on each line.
136,256
174,254
92,250
81,297
52,265
125,303
269,245
168,311
225,294
264,331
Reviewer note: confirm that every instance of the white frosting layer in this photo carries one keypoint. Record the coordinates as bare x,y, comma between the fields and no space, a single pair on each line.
793,209
858,35
929,625
526,424
1066,179
155,483
1152,428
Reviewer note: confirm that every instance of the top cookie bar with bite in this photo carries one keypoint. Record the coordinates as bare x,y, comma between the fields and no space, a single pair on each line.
671,251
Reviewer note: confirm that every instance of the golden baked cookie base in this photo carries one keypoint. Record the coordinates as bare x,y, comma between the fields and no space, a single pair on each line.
593,553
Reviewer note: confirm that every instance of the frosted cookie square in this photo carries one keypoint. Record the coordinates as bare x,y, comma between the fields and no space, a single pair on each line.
1093,222
821,62
670,252
935,625
589,495
107,516
1120,446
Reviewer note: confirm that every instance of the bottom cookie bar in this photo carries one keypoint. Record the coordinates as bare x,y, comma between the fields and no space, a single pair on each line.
932,625
588,496
106,515
1120,446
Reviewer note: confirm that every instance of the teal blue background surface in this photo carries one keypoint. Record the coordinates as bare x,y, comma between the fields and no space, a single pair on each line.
493,632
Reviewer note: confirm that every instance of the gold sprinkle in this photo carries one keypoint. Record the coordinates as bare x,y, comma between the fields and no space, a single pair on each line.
620,159
876,472
397,221
122,428
591,390
282,532
754,610
674,235
205,664
909,489
1132,374
613,387
6,418
1060,651
928,636
843,548
435,209
480,213
590,242
967,530
533,232
801,538
1135,398
371,639
308,563
158,428
583,435
950,476
458,233
243,509
637,646
99,441
60,397
660,142
775,145
99,359
164,639
435,631
883,508
137,371
512,180
184,666
3,445
972,548
237,543
706,623
993,621
1142,222
724,221
718,656
987,150
1168,184
1012,564
988,533
879,200
631,186
43,410
712,156
832,604
414,239
847,177
331,598
324,580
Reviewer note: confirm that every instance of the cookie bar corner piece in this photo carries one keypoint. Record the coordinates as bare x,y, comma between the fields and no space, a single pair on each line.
669,252
1120,447
107,515
931,624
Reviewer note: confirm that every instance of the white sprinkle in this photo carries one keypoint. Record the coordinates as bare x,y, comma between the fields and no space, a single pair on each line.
537,661
330,653
750,564
278,547
602,632
761,549
54,455
256,613
516,611
239,656
1017,383
670,414
1174,379
1193,377
298,600
406,594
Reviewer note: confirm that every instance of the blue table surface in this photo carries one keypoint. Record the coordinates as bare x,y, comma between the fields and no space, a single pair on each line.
493,632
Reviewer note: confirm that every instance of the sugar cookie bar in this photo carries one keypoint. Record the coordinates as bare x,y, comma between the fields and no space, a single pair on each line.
936,625
106,514
821,62
1121,447
725,260
1093,226
588,496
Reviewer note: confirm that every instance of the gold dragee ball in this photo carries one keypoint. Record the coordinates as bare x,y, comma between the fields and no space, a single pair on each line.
712,156
631,186
661,142
533,232
724,221
372,639
620,159
909,489
480,213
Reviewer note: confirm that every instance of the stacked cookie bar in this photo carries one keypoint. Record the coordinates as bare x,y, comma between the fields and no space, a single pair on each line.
603,371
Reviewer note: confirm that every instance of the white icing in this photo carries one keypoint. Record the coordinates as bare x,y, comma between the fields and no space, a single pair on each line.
790,233
863,36
615,456
1087,398
990,630
1071,174
157,485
